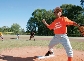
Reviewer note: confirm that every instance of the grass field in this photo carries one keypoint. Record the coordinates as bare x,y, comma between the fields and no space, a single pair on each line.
23,42
23,49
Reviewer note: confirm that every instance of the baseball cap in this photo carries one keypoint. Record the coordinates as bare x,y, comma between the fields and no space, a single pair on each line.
57,9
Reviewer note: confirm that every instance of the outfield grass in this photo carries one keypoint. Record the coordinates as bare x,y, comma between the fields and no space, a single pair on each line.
9,44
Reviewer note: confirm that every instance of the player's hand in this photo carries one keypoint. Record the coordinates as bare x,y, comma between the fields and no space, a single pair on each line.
75,24
44,21
81,29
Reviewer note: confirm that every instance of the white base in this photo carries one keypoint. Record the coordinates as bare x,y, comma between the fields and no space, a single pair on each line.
43,57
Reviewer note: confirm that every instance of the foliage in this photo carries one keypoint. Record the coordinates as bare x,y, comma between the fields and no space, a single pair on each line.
73,12
35,22
82,3
14,29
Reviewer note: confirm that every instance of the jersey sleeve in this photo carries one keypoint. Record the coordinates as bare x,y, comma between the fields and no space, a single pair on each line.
51,26
68,21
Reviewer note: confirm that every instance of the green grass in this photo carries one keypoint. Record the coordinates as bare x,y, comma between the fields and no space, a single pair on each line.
9,44
78,45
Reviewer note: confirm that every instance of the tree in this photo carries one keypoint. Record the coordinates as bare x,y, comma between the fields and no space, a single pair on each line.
15,28
82,3
5,29
22,31
0,29
35,22
74,13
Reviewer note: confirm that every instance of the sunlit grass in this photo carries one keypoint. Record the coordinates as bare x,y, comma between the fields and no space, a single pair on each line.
9,44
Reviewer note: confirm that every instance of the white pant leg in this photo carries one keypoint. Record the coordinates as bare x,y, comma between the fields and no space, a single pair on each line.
53,42
66,43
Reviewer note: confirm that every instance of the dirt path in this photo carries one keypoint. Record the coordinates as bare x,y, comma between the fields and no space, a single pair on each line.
29,53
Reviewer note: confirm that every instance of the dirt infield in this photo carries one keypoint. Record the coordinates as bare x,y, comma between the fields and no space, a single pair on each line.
29,53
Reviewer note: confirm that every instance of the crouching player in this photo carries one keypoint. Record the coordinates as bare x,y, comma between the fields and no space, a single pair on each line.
32,35
1,35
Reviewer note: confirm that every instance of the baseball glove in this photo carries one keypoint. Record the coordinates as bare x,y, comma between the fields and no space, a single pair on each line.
81,29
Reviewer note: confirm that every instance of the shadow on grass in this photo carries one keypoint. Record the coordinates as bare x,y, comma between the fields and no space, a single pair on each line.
11,58
13,38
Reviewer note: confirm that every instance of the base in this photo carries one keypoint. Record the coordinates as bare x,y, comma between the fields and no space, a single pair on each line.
43,57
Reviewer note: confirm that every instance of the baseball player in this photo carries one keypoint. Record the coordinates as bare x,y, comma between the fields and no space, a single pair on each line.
1,35
60,31
17,35
32,35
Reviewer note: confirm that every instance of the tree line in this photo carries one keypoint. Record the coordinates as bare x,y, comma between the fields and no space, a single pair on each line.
73,12
14,29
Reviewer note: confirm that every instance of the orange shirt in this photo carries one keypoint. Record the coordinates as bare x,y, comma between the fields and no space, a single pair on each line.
59,25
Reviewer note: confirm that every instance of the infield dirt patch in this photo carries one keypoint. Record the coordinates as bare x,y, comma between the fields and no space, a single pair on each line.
29,53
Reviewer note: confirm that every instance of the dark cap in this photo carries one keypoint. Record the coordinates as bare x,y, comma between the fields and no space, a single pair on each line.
57,9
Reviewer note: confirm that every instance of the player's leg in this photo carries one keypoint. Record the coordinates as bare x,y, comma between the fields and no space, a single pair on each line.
30,37
34,37
1,38
52,43
18,36
66,43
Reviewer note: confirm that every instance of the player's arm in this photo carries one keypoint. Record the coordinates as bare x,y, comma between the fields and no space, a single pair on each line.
45,22
51,26
75,24
69,22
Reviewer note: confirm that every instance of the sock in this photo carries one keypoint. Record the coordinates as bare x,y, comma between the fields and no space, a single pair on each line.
69,58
